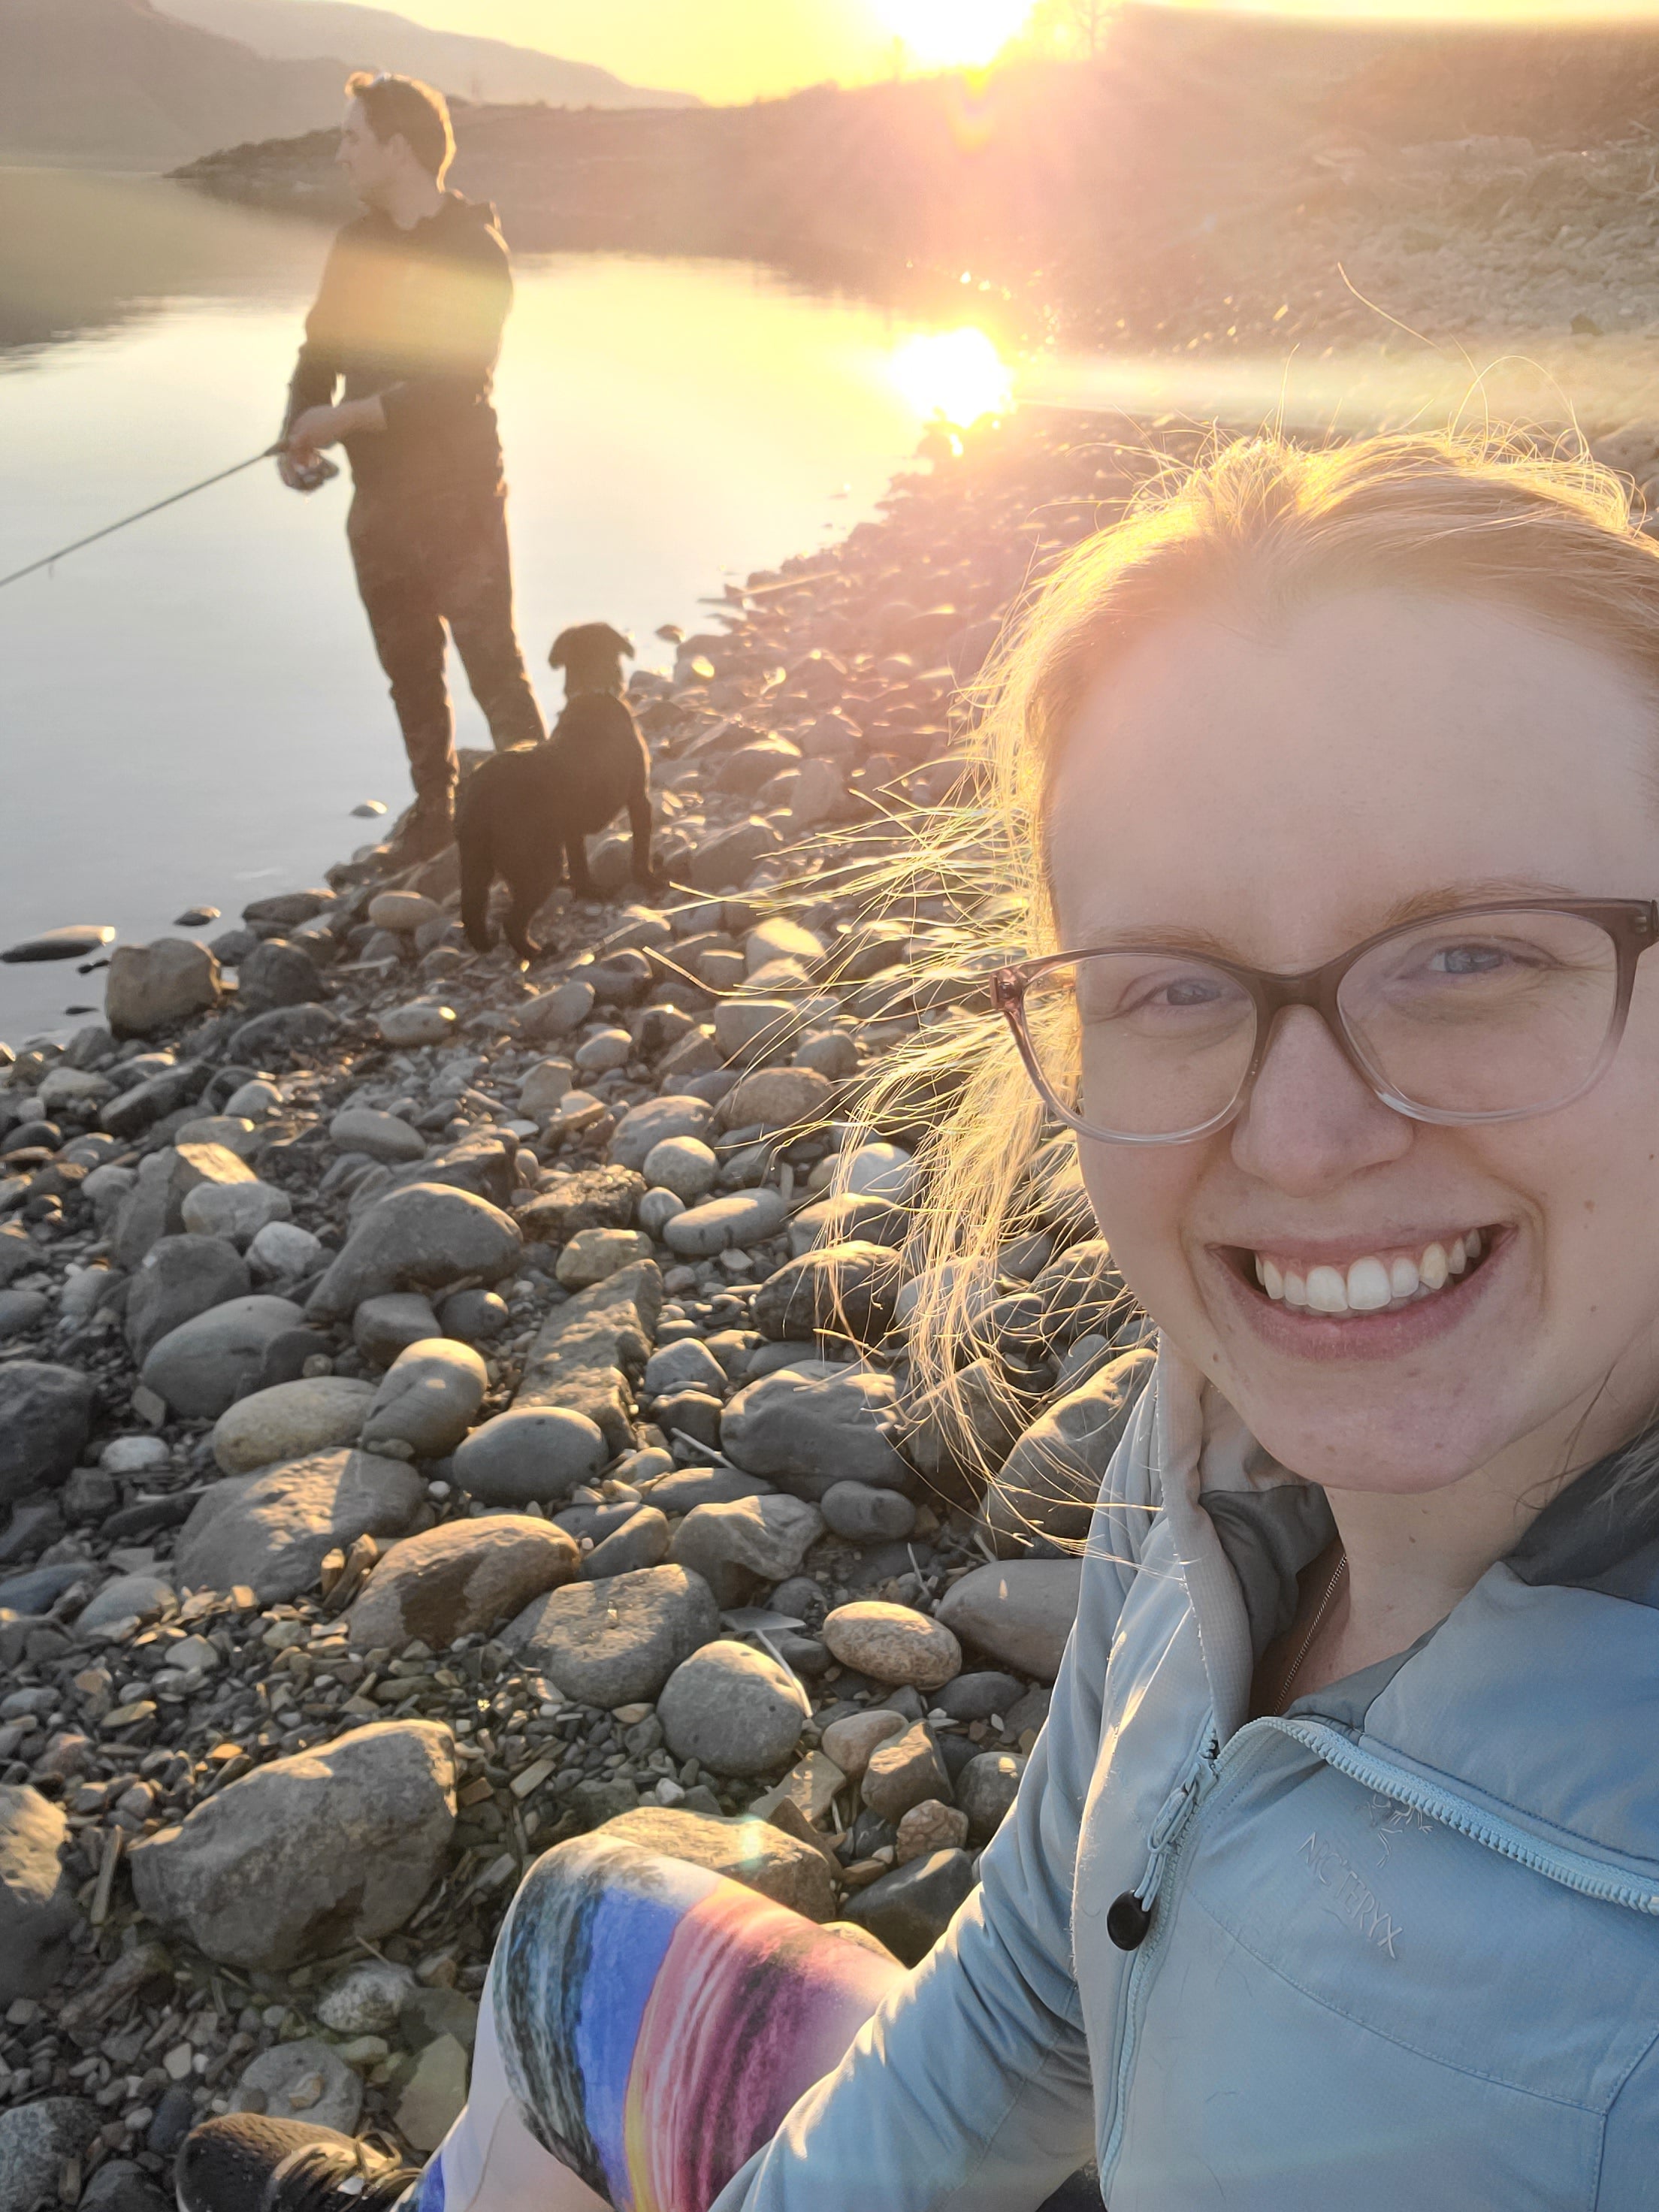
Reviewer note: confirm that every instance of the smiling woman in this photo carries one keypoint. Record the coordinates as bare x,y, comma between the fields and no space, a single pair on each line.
955,33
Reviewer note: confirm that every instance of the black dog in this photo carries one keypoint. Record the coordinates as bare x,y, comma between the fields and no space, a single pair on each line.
524,815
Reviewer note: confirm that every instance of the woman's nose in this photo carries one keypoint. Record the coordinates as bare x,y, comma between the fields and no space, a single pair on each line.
1310,1121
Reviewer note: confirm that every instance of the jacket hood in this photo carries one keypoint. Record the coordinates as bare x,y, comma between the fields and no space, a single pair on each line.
1533,1701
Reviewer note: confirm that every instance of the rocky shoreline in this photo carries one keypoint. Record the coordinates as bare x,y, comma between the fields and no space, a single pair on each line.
444,1408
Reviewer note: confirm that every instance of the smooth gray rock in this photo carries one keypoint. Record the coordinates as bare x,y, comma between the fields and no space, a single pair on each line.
21,1312
589,1350
977,1697
905,1771
565,1007
121,2184
381,1136
179,1277
302,2080
460,1577
767,1860
365,1999
290,1421
382,1328
1020,1611
683,1165
985,1789
278,973
845,1290
641,1541
473,1316
204,1366
910,1909
811,1426
734,1709
132,1111
45,1418
236,1211
272,1530
862,1514
1051,1478
719,1224
616,1642
310,1854
129,1597
529,1456
37,1896
643,1128
418,1238
749,1541
688,1487
428,1397
35,2139
688,1364
149,986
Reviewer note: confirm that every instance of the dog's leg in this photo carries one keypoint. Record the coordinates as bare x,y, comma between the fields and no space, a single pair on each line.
477,874
529,894
638,821
583,885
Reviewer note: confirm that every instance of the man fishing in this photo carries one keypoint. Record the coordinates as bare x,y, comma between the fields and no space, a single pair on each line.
408,317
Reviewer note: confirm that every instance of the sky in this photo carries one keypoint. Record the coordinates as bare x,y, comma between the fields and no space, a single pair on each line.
737,50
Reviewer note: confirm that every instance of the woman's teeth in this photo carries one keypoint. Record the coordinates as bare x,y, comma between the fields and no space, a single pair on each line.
1368,1284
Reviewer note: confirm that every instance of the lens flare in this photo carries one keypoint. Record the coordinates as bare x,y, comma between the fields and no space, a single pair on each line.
953,376
955,33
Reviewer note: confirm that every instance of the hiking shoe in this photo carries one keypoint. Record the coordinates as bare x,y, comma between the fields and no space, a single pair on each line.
424,833
247,2163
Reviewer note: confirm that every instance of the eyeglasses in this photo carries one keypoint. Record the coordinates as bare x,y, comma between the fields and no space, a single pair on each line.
1487,1013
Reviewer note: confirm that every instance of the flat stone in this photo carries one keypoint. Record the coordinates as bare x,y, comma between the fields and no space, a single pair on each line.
460,1578
403,912
831,1221
272,1530
1050,1481
149,986
382,1328
434,2095
778,1098
290,1421
529,1456
380,1136
45,1418
905,1772
421,1023
127,1597
132,1111
612,1642
686,1488
301,2081
643,1128
641,1541
745,1029
78,941
309,1853
844,1290
593,1256
1019,1611
288,908
236,1211
985,1789
588,1351
283,1252
542,1088
879,1172
977,1697
762,1858
428,1397
556,1012
418,1238
910,1909
780,938
199,1368
735,1710
37,1911
721,1225
726,860
596,1198
810,1428
848,1743
861,1514
285,1029
688,1364
893,1644
749,1541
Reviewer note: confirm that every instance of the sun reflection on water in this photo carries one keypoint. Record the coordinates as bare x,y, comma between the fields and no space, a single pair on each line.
953,376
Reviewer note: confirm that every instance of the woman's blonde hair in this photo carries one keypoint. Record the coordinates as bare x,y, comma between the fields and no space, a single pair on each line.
1260,528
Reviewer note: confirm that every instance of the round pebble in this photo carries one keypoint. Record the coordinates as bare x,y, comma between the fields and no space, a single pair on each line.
893,1644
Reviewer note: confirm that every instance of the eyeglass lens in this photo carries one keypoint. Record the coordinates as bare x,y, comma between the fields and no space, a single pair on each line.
1475,1015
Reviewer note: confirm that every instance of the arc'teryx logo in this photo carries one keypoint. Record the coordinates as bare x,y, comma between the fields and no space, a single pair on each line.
1352,1896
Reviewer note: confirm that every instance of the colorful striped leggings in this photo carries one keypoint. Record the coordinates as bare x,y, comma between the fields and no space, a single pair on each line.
646,2028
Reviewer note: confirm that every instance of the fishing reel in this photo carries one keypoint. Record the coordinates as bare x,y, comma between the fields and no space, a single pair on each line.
314,474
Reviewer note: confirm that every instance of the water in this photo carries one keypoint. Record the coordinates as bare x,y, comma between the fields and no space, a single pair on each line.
189,710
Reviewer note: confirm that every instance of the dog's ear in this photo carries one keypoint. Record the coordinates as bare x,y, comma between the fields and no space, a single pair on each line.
558,657
622,644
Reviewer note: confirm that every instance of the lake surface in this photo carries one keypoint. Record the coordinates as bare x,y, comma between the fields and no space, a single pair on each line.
189,710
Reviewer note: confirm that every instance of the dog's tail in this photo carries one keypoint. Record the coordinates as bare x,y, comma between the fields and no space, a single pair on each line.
478,857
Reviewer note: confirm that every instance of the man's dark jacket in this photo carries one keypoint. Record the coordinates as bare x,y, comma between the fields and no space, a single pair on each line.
415,316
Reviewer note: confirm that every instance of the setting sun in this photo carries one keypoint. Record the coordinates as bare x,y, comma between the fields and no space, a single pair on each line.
952,376
955,33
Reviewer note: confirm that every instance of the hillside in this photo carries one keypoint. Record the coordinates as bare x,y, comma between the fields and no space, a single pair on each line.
477,68
1210,179
112,83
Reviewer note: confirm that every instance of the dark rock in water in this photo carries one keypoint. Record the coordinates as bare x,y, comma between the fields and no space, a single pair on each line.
195,917
72,943
287,907
369,808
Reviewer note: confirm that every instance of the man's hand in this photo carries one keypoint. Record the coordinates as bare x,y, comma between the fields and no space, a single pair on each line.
326,426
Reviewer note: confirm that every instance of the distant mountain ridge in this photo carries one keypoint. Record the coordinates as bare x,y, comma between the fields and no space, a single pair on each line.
479,68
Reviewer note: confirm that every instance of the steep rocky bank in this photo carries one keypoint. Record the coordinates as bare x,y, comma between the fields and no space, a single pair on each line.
440,1409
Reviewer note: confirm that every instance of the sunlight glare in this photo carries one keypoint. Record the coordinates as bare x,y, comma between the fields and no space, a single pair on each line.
953,376
955,33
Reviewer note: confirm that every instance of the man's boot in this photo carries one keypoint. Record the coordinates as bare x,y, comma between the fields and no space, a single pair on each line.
426,830
247,2163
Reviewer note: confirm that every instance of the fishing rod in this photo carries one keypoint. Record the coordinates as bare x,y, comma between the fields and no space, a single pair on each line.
311,477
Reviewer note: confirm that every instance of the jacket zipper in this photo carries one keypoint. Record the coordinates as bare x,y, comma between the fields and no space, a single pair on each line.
1173,1823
